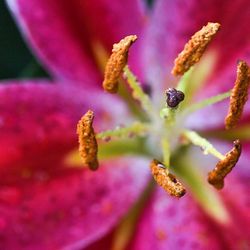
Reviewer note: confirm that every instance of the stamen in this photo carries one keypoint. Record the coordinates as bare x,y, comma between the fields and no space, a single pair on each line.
165,151
116,63
87,142
185,82
194,79
166,180
239,95
135,129
224,167
137,91
206,146
174,97
195,48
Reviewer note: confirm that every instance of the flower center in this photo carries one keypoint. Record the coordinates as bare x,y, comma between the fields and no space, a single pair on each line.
159,132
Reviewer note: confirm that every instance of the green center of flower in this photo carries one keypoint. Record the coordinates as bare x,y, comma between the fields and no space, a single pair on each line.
163,131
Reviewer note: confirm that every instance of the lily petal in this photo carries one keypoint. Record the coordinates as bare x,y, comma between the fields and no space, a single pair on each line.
173,23
234,195
244,161
70,208
104,243
63,33
181,224
236,198
38,120
168,223
52,30
109,21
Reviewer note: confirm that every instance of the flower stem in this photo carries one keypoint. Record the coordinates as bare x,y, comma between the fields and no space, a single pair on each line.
206,146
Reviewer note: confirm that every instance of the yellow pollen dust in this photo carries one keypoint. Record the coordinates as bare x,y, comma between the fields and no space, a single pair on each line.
195,48
116,63
224,167
239,95
166,180
87,141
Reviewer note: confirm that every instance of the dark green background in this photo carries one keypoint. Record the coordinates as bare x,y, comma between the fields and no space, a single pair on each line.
15,59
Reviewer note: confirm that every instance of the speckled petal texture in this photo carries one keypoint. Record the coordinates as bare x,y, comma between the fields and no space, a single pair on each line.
180,224
109,21
62,32
174,21
70,208
38,121
236,198
168,223
58,39
46,203
42,200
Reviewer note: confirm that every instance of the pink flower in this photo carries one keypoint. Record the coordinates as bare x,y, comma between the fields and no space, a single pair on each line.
47,201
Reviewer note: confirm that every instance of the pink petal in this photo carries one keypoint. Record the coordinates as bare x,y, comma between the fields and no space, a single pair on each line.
173,23
169,223
58,39
105,243
244,160
70,208
62,33
38,121
109,21
235,195
237,200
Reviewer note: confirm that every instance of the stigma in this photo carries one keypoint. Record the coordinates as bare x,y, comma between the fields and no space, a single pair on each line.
174,97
